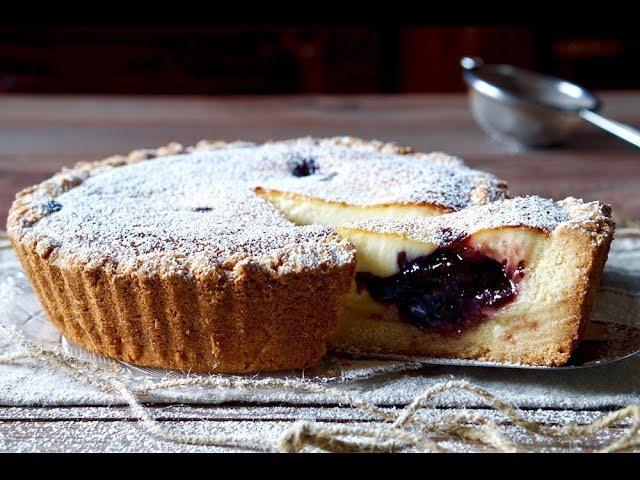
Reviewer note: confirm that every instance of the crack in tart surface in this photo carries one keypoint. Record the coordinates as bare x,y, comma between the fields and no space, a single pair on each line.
225,257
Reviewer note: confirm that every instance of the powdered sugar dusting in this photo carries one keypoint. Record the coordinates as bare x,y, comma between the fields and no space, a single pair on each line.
195,211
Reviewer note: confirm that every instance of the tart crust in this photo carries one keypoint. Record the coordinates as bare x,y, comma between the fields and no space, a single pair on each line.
253,322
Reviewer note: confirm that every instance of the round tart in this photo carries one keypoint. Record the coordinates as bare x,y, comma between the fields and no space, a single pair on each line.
221,257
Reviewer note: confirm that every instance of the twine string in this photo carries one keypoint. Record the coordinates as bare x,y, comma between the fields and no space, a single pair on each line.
401,429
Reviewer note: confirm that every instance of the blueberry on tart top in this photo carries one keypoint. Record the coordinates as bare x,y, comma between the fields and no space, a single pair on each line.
238,257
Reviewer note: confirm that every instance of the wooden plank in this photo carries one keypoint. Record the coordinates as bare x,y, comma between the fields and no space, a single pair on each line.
128,436
242,411
39,135
93,429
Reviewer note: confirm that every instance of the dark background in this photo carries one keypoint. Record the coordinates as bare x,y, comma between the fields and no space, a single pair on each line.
192,57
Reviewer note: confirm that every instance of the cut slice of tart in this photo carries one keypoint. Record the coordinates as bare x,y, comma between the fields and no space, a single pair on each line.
511,281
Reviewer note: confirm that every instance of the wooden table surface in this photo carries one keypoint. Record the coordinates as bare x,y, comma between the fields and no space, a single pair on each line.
40,134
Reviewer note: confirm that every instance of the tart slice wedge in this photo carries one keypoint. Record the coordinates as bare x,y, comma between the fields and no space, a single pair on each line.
511,281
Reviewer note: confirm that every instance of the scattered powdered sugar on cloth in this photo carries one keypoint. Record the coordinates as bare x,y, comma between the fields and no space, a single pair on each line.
25,382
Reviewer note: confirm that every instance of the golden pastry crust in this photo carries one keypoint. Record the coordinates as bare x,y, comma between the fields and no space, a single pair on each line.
255,322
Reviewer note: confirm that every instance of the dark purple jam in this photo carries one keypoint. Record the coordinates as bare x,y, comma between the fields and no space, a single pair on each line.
52,206
303,167
448,291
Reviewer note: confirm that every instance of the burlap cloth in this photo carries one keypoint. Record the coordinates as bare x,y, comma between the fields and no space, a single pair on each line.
383,382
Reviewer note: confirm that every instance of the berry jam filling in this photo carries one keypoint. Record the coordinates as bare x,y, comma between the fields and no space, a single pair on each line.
52,206
448,291
303,167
